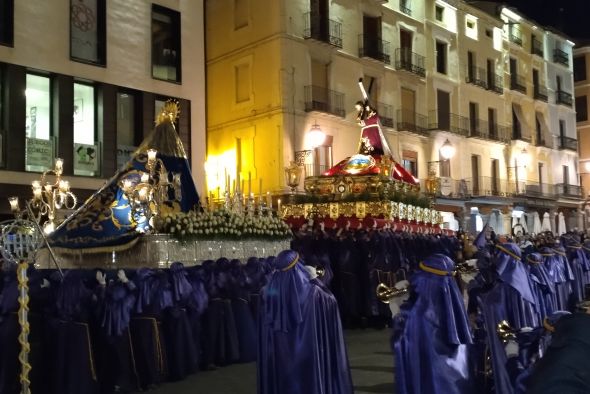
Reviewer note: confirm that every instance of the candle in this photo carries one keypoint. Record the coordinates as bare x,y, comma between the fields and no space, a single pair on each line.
242,189
64,186
13,204
234,186
260,188
249,182
279,207
48,188
151,156
176,179
218,195
59,166
145,177
37,193
143,194
268,200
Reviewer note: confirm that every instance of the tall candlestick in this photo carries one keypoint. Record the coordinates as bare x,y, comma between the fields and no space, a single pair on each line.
242,188
279,207
249,182
268,200
260,188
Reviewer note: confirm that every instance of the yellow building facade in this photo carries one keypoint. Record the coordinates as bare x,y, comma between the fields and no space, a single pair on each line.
482,77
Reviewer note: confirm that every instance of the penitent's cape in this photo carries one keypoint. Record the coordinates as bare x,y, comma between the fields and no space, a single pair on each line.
104,223
301,348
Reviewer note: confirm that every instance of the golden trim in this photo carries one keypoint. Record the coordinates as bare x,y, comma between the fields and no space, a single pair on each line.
434,271
291,264
511,254
98,249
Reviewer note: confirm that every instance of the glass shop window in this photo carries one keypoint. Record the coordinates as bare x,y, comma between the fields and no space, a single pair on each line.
39,141
126,143
165,44
86,148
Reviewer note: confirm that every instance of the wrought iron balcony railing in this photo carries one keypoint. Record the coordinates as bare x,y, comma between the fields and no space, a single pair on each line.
483,186
374,48
324,100
540,93
563,98
407,60
567,190
537,190
519,135
488,131
517,83
514,34
412,121
537,47
496,84
477,76
405,7
542,142
385,114
320,28
448,122
560,57
568,143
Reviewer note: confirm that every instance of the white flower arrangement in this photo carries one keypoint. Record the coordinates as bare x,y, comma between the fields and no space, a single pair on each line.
221,224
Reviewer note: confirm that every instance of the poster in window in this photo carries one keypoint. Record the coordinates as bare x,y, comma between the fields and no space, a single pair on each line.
85,159
39,153
83,30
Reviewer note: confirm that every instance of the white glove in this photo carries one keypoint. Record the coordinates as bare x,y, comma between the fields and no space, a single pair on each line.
101,278
394,305
402,284
312,271
511,349
122,277
45,283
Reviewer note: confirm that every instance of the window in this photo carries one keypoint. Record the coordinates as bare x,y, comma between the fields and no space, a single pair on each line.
39,144
441,57
439,13
473,118
410,162
126,141
539,129
88,31
444,168
86,150
7,22
579,68
242,75
492,125
566,175
405,6
241,10
561,128
166,59
581,109
471,26
489,33
516,127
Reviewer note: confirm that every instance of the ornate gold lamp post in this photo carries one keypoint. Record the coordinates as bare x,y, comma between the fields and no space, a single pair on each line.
147,195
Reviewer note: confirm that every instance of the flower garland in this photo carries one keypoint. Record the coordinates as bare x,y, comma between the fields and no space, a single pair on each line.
221,224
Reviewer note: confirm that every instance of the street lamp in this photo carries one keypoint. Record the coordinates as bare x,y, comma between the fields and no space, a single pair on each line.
316,136
446,152
523,158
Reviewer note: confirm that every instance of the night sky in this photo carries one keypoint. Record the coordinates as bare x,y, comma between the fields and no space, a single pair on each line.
573,19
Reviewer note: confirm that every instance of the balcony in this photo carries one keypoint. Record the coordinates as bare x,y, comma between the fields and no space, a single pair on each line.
374,48
537,47
412,121
452,123
568,143
563,98
451,188
538,190
486,186
405,7
567,190
517,83
407,60
514,34
542,142
385,114
319,28
560,57
477,76
540,93
324,100
496,84
488,131
518,135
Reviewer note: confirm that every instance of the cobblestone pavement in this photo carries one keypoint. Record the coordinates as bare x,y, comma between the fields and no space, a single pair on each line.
369,354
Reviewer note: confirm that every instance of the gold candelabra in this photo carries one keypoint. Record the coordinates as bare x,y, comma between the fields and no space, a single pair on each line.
48,198
147,196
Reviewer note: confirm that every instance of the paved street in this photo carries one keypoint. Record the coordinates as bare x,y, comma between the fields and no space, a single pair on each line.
370,358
